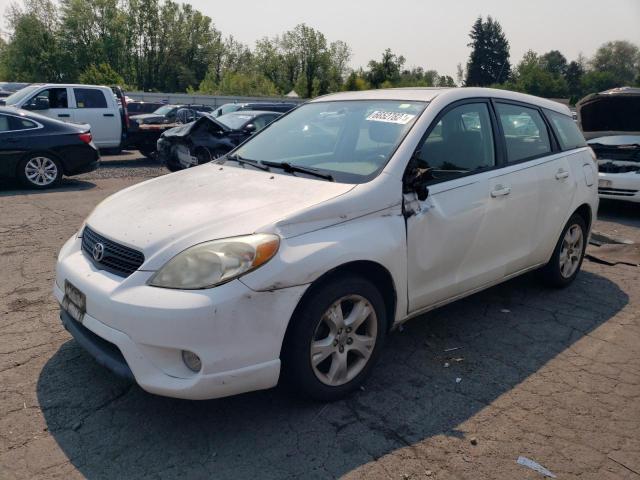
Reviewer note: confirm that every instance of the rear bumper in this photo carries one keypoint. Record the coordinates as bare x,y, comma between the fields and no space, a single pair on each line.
80,159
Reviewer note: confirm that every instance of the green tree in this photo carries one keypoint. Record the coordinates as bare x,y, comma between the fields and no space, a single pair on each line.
238,83
573,76
620,59
388,69
531,76
33,52
101,74
356,81
489,59
554,62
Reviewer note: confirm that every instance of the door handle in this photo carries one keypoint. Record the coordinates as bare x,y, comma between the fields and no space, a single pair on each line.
107,114
500,191
64,115
562,174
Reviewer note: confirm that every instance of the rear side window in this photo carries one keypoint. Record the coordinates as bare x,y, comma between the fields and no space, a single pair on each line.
16,123
460,143
4,123
525,132
569,135
89,98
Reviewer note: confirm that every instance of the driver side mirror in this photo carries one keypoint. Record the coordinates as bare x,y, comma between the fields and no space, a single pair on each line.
250,128
416,178
40,103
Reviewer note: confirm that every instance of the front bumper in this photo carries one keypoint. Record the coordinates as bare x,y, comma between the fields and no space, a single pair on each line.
619,186
236,332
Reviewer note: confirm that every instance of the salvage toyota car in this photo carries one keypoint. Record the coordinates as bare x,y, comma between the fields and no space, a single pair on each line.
295,254
611,122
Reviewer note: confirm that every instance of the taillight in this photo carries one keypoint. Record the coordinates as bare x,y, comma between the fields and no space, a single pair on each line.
85,137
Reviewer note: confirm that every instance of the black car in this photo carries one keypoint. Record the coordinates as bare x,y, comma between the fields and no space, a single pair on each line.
39,150
166,114
208,138
9,88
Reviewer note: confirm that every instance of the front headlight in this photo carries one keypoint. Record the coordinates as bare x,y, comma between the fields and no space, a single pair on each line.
212,263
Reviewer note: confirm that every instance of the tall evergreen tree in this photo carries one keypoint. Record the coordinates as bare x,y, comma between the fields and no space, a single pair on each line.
489,59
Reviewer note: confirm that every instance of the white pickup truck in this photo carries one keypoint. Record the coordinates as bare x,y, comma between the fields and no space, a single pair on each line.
87,104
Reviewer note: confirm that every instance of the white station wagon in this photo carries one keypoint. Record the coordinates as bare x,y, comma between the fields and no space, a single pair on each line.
299,251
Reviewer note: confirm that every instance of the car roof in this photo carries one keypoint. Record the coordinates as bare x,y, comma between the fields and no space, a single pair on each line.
427,94
253,113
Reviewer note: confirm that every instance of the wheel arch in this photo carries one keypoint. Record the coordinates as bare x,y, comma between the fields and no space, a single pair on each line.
584,211
370,270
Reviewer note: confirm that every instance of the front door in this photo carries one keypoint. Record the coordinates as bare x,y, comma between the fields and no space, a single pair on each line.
51,102
458,237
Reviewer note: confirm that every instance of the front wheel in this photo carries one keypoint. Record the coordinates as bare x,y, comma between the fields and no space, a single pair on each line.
40,171
567,257
335,338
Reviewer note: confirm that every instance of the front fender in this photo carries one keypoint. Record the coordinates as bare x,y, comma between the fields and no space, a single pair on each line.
379,237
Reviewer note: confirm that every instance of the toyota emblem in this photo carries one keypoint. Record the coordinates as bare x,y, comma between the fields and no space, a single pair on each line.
98,252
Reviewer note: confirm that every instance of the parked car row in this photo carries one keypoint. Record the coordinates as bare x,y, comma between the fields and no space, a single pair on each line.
104,115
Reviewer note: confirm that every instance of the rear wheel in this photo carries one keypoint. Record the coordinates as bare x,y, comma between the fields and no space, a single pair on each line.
148,152
567,257
40,171
335,338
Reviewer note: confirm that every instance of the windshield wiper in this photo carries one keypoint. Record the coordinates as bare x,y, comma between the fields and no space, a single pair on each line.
289,168
247,161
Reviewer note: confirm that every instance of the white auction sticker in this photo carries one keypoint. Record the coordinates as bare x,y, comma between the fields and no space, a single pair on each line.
390,117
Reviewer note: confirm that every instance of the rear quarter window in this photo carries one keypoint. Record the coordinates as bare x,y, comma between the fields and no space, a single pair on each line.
567,131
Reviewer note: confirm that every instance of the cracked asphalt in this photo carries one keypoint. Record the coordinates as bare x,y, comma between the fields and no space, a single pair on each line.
550,375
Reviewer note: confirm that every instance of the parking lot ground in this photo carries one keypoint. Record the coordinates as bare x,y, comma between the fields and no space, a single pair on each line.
459,393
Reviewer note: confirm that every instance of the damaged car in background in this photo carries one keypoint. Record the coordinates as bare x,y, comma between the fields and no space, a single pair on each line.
209,138
610,122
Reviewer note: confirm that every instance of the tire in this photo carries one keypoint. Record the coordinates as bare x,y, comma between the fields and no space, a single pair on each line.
40,171
204,155
560,273
148,152
343,358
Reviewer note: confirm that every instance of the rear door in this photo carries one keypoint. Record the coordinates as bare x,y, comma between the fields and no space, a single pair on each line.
540,180
52,102
94,108
16,138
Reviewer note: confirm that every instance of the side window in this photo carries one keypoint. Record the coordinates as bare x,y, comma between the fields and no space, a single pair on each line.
16,123
569,135
89,98
4,123
461,142
261,122
525,132
50,98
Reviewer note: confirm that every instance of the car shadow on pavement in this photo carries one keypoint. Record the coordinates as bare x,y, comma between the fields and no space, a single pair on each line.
10,189
110,429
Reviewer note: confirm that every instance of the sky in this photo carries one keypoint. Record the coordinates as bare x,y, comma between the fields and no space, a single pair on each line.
431,34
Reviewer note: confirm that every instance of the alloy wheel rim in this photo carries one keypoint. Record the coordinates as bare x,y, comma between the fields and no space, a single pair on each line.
343,340
41,171
571,251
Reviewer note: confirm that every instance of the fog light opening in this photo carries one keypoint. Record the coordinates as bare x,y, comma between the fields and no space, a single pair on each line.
192,361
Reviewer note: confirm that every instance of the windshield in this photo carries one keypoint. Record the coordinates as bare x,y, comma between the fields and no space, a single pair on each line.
350,140
20,95
164,110
234,120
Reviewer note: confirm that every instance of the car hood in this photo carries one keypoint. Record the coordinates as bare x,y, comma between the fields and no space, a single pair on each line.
611,113
187,128
163,216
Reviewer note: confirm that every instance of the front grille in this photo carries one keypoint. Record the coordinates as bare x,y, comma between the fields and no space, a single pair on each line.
118,259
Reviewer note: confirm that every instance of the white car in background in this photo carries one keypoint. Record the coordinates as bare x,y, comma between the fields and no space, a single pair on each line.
297,252
611,122
94,105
